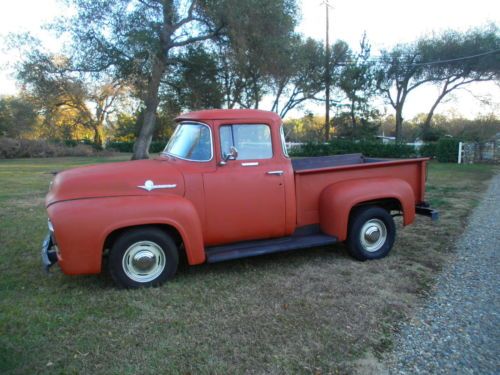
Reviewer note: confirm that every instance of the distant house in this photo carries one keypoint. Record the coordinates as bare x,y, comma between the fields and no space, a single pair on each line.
385,139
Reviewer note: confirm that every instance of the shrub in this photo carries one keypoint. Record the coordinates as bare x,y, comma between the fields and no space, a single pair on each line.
157,146
8,148
74,143
447,150
370,149
428,150
120,146
154,148
25,148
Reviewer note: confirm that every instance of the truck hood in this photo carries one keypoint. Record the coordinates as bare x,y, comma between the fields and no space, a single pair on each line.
131,178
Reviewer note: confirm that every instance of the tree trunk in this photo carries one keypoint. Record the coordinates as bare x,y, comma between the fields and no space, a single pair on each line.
427,123
98,137
275,107
399,123
141,146
256,95
428,119
353,116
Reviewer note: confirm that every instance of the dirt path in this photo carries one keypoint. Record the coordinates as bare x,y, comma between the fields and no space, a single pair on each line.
458,331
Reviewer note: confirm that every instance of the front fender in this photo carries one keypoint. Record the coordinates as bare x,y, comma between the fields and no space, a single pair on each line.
82,226
337,200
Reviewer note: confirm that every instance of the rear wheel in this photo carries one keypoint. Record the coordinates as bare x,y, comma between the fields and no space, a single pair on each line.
371,233
143,257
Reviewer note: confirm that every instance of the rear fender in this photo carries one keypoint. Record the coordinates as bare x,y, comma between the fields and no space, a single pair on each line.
82,226
337,201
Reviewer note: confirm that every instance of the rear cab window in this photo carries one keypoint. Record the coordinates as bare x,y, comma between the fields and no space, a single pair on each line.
283,141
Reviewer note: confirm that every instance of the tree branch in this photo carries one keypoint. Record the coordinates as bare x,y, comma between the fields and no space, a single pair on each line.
188,18
198,38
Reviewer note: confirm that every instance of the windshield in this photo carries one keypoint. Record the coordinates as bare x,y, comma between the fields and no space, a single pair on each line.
190,141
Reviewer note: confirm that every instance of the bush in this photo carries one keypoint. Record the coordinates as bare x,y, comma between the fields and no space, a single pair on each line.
447,150
8,148
75,143
157,146
154,148
429,150
370,149
25,148
120,146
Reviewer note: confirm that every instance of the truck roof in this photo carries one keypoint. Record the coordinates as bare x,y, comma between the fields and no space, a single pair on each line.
230,114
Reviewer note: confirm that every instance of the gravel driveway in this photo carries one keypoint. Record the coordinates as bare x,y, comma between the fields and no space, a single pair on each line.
458,331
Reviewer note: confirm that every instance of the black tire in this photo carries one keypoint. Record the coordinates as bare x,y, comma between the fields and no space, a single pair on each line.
364,224
143,257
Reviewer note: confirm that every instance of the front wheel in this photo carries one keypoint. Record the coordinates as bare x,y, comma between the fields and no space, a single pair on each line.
143,257
371,233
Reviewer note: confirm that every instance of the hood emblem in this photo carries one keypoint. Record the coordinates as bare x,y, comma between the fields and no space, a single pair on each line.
150,185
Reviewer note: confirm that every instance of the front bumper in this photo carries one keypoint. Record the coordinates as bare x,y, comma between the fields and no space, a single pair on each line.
49,252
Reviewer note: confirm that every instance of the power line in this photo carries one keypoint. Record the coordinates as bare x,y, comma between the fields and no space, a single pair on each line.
436,62
459,58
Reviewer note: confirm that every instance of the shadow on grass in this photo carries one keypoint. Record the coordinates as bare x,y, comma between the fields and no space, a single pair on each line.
186,273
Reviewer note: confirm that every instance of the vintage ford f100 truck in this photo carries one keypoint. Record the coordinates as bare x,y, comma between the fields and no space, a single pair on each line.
225,188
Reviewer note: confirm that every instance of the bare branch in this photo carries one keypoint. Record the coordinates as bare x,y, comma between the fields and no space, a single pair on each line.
189,16
198,38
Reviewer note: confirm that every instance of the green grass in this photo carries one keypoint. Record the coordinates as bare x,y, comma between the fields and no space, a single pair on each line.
312,311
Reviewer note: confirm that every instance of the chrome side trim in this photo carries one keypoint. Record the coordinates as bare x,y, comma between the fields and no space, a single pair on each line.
150,185
276,173
252,164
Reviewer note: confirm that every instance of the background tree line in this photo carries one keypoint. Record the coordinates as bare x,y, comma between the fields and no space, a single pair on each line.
130,66
310,127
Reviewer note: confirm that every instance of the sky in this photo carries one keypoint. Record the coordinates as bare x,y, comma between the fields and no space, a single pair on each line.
389,22
386,22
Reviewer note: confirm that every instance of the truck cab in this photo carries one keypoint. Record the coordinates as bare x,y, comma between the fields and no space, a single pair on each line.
225,188
248,189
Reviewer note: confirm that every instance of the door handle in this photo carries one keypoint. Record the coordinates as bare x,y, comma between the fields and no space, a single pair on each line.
276,173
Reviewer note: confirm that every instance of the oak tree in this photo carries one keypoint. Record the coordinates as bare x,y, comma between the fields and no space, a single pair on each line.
399,71
458,59
140,40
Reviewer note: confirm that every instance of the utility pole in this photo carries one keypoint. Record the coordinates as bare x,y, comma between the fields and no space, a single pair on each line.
327,72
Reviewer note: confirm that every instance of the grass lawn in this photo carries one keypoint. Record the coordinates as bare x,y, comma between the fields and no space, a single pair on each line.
311,311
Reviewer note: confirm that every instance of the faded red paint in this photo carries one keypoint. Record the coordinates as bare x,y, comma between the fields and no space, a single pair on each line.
213,204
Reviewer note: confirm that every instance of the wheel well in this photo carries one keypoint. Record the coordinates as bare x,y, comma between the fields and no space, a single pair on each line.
170,230
389,204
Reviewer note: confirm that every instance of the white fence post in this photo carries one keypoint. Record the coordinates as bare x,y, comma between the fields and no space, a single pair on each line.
460,148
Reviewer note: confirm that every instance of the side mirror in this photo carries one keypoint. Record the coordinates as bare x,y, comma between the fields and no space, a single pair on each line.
231,155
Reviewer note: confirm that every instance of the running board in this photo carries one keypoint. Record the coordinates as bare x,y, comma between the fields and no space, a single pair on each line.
255,248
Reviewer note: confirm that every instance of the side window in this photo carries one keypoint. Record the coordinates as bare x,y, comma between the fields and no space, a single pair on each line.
251,141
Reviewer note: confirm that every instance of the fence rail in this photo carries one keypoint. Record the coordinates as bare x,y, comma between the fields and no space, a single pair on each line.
480,152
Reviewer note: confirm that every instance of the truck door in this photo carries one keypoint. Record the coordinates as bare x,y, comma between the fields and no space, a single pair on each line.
245,197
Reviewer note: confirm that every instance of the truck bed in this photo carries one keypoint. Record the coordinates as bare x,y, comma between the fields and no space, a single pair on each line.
321,162
313,175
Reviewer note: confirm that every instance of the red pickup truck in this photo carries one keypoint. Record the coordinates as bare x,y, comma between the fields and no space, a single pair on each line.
225,188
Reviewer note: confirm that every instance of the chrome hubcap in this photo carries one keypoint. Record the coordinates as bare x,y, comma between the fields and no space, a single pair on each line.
143,261
373,235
